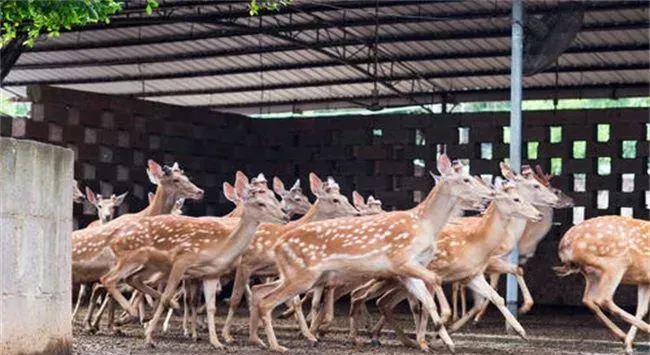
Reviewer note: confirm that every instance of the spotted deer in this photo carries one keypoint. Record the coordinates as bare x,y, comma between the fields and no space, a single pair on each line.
293,200
608,251
177,210
321,315
105,206
106,211
463,251
533,233
260,257
91,254
397,243
187,248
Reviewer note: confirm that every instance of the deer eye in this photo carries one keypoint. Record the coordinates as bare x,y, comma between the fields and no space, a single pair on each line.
466,180
517,200
336,200
176,181
261,204
537,186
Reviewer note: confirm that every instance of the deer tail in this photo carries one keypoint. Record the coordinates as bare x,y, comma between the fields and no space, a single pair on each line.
566,269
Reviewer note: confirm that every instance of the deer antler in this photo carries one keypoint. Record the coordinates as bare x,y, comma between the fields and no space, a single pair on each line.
542,177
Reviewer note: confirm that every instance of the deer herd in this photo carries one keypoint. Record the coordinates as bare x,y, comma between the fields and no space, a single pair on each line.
337,248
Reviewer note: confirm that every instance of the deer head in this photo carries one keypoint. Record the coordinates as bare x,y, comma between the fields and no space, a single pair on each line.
511,204
105,205
259,203
564,201
463,204
461,184
330,202
529,187
174,181
77,195
372,206
293,200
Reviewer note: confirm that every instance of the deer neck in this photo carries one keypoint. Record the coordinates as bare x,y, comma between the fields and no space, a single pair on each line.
490,232
235,213
162,203
543,226
535,231
239,239
436,210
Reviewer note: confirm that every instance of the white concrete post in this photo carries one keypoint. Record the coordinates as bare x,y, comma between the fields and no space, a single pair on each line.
35,248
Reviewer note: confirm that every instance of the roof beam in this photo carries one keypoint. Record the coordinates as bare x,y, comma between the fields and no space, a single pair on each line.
463,35
327,63
365,80
212,18
10,54
530,93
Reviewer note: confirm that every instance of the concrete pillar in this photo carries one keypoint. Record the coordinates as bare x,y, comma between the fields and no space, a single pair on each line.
35,248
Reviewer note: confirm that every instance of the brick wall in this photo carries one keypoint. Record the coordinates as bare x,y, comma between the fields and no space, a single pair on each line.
387,156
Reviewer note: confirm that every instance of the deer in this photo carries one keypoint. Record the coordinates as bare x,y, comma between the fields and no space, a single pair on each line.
463,251
533,233
77,195
91,255
397,243
321,319
260,257
187,248
608,251
106,211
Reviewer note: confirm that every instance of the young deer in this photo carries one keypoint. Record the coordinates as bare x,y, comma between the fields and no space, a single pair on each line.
91,255
370,207
533,233
395,243
177,210
106,211
608,251
105,206
187,248
293,201
462,252
260,256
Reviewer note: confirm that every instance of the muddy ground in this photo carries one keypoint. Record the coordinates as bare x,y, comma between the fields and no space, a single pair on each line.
551,331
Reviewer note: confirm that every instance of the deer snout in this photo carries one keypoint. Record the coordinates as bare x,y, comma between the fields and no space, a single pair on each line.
539,217
286,218
199,194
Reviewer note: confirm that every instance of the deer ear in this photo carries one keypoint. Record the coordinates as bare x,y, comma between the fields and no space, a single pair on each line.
229,192
436,178
90,196
175,166
152,178
241,176
155,170
357,199
316,184
506,171
242,190
150,196
296,185
444,165
120,199
278,186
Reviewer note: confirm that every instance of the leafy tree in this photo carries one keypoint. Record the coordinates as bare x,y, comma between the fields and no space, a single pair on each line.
256,6
31,18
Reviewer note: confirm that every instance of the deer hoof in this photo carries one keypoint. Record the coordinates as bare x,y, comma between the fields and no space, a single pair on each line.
375,342
279,349
118,332
151,345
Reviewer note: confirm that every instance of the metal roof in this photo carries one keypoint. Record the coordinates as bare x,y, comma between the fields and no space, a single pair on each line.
320,54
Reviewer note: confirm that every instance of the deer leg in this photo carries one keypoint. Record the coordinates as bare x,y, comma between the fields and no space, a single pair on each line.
643,299
124,267
173,281
467,316
210,294
98,317
88,326
445,310
591,289
287,289
494,283
418,289
111,316
315,313
242,276
80,296
258,292
480,286
609,282
455,289
358,297
463,299
192,292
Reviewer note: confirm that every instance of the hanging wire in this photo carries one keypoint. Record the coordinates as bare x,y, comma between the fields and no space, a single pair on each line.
260,44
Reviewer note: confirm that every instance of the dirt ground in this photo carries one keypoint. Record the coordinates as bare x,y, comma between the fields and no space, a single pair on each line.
551,331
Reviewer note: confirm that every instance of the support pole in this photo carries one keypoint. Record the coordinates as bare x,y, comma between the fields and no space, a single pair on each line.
515,130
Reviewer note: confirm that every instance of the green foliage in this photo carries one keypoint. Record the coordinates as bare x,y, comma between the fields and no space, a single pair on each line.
579,149
36,17
556,134
531,150
13,109
629,149
602,133
556,166
604,165
256,6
